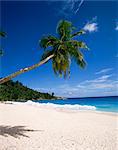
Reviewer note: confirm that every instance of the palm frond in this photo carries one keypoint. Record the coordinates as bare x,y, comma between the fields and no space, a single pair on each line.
81,63
48,41
78,57
76,54
1,52
61,63
81,32
46,54
64,29
2,34
78,44
82,45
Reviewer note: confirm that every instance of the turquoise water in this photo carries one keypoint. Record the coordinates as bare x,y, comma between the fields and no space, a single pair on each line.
107,104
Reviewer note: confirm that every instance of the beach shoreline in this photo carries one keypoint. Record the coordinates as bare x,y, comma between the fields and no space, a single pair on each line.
66,109
27,127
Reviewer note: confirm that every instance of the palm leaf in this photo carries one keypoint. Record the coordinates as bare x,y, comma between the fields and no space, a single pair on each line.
78,57
78,33
78,44
1,52
2,34
81,63
61,63
48,41
82,45
46,54
64,29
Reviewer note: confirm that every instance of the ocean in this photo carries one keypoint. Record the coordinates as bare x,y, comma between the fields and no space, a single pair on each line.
107,104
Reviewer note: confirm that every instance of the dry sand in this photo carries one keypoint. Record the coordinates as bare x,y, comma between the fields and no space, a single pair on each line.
26,127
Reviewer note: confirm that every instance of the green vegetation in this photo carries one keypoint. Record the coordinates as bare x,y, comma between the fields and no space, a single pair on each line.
15,91
60,49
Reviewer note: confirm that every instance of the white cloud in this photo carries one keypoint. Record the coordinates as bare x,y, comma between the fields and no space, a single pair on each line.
116,28
98,80
104,70
98,83
70,7
100,86
79,6
91,27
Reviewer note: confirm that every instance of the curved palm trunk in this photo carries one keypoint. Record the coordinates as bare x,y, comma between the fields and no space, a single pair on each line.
3,80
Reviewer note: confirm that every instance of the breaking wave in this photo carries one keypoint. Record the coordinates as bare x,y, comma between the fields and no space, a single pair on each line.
66,106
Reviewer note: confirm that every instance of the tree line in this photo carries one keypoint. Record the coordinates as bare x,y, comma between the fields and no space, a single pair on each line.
16,91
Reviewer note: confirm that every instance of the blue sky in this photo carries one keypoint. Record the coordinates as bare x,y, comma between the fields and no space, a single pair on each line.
26,22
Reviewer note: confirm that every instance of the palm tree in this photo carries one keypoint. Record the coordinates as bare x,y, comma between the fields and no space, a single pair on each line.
60,49
1,52
2,34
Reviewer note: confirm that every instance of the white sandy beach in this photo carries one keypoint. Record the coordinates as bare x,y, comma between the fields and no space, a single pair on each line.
26,127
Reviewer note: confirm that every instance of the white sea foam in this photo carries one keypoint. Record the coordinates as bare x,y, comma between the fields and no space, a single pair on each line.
67,106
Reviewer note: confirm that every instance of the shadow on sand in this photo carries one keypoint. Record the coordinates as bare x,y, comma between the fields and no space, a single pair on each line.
15,131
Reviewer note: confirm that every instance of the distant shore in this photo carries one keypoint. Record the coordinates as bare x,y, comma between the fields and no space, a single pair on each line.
28,127
92,97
